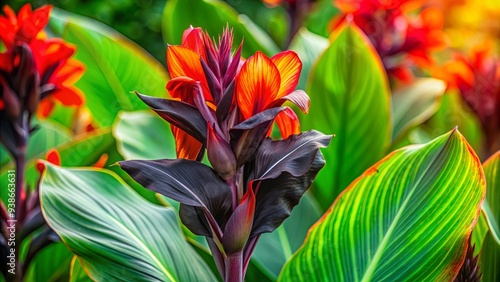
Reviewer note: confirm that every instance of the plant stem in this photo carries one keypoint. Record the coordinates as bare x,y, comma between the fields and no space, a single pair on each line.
234,267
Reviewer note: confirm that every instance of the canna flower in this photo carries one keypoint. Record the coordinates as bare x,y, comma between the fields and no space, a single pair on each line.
404,40
200,63
228,107
33,70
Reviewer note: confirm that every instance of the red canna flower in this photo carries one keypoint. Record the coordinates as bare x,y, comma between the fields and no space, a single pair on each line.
403,39
228,107
33,70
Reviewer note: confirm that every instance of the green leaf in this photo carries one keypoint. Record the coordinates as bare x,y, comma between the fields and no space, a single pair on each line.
415,103
115,67
114,232
491,205
453,112
143,135
490,259
407,218
479,233
350,98
77,273
213,16
51,264
308,46
287,238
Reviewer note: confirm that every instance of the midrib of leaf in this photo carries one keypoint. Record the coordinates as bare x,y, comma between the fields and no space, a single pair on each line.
107,71
291,152
344,114
144,247
381,248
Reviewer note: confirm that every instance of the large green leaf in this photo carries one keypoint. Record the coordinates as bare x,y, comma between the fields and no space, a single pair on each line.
308,46
350,98
77,273
407,218
115,67
212,16
490,251
143,135
415,103
115,233
287,238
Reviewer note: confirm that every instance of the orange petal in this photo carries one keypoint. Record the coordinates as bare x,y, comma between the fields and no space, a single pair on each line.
432,18
183,61
289,66
69,73
186,146
101,162
257,84
288,123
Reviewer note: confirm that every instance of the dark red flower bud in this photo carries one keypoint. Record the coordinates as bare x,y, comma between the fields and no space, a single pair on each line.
220,154
240,224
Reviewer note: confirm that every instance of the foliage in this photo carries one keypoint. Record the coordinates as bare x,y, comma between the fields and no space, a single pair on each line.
275,140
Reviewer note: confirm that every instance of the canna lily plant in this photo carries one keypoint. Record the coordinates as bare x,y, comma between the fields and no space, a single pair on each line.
227,106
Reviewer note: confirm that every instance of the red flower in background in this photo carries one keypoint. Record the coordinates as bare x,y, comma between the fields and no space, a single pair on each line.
477,77
403,39
36,65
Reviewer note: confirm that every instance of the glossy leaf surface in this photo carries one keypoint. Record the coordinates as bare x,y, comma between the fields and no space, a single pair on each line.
350,98
143,135
393,222
119,233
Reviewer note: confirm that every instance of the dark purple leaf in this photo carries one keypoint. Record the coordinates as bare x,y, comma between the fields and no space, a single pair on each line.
188,182
247,136
293,155
225,104
276,197
179,114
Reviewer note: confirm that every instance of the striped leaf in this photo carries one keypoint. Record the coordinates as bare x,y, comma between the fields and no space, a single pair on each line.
407,218
350,98
116,234
490,252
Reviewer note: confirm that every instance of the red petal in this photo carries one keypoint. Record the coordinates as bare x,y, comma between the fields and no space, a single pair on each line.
68,96
45,107
53,157
257,85
193,38
187,147
289,66
182,88
288,123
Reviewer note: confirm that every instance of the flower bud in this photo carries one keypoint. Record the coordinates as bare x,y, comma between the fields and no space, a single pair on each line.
220,154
